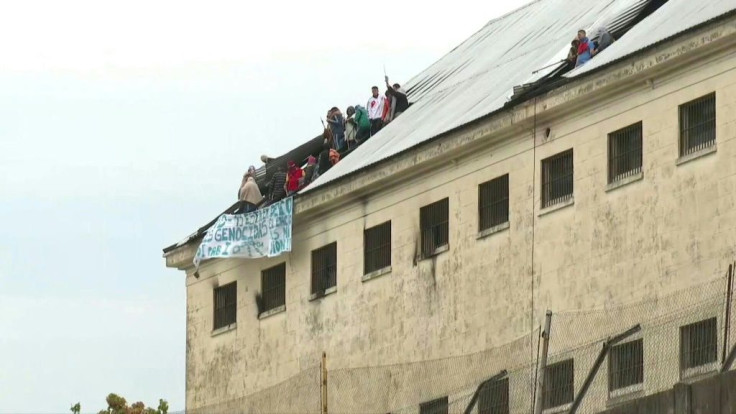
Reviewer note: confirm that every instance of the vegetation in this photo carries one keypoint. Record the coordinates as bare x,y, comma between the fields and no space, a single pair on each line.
117,405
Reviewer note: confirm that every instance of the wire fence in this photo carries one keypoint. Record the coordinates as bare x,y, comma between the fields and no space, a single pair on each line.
597,359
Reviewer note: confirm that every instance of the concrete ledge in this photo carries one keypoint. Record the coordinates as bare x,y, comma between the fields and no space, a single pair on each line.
493,230
274,311
436,252
328,291
376,274
625,181
625,394
559,206
556,410
696,373
697,154
224,329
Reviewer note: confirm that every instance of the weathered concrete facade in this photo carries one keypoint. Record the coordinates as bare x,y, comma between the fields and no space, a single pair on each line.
668,229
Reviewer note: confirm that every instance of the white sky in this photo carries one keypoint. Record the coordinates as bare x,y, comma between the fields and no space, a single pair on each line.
126,125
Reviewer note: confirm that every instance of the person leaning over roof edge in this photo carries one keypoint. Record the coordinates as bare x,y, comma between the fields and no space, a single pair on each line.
604,40
583,49
402,102
375,110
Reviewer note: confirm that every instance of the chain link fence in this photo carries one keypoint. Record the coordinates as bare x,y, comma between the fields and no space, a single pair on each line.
597,359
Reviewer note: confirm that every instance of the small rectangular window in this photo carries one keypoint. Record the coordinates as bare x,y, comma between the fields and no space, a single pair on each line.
493,202
225,309
559,384
377,248
273,287
698,124
435,223
626,365
324,268
438,406
698,344
624,152
557,179
494,398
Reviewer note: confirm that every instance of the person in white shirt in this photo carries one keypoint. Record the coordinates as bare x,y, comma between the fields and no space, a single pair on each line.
375,110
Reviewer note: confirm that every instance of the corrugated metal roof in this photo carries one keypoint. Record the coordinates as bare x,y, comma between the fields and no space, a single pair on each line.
477,77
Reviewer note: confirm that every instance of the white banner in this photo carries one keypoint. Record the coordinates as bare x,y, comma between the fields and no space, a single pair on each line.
262,233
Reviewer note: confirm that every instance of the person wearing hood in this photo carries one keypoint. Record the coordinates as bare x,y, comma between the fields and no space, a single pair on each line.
572,55
337,125
249,193
293,178
401,102
604,40
584,48
363,122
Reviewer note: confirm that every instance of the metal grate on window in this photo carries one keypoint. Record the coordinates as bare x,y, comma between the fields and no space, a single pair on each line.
493,202
273,287
626,365
494,398
377,248
434,221
438,406
324,268
557,179
624,152
698,344
225,298
698,124
559,384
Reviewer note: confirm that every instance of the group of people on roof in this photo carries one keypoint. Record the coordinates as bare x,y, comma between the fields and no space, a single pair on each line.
341,135
582,49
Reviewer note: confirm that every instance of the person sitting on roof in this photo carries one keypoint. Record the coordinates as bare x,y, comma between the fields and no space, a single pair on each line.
249,193
388,105
363,122
375,110
604,40
309,172
293,178
277,189
351,128
584,48
337,125
401,102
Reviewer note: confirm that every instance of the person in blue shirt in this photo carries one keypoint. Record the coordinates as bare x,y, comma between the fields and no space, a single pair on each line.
584,48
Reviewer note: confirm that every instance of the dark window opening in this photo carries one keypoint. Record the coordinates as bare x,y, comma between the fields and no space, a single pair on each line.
273,287
324,268
624,153
494,398
225,298
493,202
626,365
698,124
559,384
434,221
698,344
438,406
557,179
377,248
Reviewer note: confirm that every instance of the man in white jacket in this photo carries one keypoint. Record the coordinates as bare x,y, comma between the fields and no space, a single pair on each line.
375,110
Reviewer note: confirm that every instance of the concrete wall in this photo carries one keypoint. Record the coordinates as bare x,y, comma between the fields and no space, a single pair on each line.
672,229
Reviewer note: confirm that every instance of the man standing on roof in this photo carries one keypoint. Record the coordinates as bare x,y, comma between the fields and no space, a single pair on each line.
584,49
363,122
402,102
277,189
375,110
337,125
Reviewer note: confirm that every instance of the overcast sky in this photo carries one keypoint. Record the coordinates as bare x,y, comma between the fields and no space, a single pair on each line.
124,126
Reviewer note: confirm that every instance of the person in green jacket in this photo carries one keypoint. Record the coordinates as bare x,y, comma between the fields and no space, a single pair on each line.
364,124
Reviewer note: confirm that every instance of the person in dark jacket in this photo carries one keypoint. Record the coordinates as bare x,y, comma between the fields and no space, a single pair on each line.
337,126
309,171
277,189
323,164
402,102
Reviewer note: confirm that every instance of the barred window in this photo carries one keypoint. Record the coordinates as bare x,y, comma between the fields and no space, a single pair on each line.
225,310
559,384
324,268
626,365
493,202
494,398
557,179
624,152
438,406
273,287
434,220
377,248
698,344
698,124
